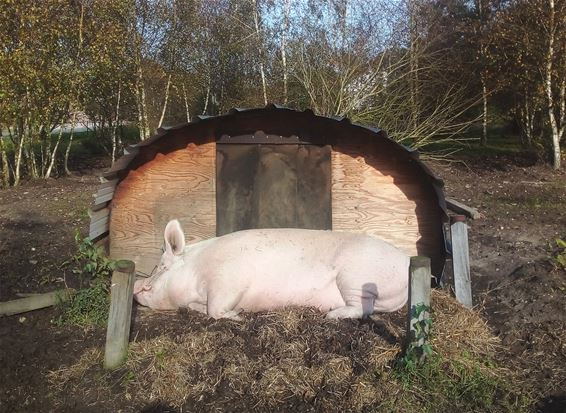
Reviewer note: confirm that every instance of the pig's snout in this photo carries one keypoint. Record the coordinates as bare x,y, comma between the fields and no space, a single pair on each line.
140,292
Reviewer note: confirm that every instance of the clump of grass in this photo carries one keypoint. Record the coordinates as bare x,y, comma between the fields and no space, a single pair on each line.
90,305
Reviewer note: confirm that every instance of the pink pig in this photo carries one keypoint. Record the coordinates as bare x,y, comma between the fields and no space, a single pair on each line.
345,274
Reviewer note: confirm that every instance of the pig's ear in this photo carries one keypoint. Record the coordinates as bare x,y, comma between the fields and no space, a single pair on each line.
174,238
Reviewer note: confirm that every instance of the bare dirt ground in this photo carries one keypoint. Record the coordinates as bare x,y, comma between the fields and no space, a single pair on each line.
518,286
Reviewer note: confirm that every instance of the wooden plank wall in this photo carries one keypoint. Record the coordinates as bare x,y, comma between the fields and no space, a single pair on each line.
179,185
374,194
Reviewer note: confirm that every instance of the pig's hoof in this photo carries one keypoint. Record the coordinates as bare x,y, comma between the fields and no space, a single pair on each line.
233,315
345,312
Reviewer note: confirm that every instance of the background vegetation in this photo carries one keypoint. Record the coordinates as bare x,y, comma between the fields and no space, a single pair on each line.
423,70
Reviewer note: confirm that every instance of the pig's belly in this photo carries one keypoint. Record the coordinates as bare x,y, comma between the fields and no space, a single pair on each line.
301,289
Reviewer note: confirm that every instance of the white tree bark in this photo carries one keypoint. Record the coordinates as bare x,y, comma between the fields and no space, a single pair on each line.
261,52
53,154
139,80
188,114
413,63
284,51
19,153
68,150
5,164
166,100
484,115
206,99
557,126
115,139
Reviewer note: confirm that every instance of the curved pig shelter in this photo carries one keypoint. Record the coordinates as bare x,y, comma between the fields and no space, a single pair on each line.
269,167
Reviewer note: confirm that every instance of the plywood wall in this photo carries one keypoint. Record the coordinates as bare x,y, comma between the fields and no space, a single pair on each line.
374,194
179,185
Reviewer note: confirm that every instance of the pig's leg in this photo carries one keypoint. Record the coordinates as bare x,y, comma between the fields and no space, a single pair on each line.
222,305
359,300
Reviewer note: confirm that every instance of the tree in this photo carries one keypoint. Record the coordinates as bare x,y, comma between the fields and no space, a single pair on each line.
533,37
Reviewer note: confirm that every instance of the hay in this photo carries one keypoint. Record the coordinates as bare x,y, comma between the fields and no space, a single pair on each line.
281,360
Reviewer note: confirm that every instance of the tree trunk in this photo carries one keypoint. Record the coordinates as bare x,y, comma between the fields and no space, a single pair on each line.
484,115
206,98
114,128
188,114
30,156
526,119
557,130
260,47
68,150
164,109
147,132
19,154
413,65
5,165
53,154
283,50
139,107
143,123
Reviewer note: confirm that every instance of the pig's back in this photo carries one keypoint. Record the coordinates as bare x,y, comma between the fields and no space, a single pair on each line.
281,267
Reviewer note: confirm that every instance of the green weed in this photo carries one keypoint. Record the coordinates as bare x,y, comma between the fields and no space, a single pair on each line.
90,305
561,256
418,348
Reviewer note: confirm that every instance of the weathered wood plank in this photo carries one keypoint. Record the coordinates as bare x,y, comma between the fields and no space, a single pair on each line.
460,208
96,215
97,229
34,302
108,183
97,207
104,191
120,315
461,261
100,199
102,221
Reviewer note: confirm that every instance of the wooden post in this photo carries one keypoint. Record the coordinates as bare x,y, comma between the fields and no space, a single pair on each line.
419,296
461,260
34,302
120,317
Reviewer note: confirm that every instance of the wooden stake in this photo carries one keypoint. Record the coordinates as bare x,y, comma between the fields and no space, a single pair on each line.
461,260
419,296
120,317
35,302
460,208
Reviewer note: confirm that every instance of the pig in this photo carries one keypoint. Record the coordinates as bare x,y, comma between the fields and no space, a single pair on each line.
346,275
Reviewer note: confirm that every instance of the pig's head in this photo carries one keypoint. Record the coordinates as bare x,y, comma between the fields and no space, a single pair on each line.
149,291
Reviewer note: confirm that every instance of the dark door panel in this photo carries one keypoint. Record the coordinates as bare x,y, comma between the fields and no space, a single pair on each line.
272,186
